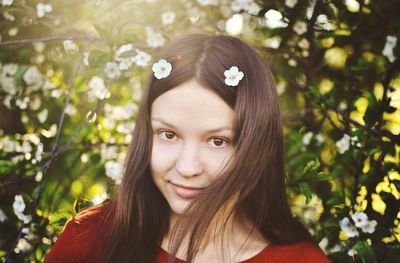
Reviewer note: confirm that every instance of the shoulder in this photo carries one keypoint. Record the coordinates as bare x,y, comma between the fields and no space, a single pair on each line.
80,233
96,214
296,253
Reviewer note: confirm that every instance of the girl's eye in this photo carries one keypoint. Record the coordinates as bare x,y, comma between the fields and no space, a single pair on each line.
167,135
218,142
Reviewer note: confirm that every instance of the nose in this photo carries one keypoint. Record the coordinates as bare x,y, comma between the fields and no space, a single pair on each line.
189,162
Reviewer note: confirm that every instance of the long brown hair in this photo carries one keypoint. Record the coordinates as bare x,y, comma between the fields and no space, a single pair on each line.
254,177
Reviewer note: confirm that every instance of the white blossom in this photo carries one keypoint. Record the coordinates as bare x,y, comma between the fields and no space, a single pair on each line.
71,110
207,2
307,138
98,88
233,76
369,226
42,115
161,69
22,103
51,132
24,218
7,2
304,43
322,20
39,152
272,42
108,152
290,3
359,218
323,244
70,46
348,228
13,31
320,138
352,252
7,145
154,39
7,78
39,176
121,50
125,64
274,19
247,5
39,46
18,205
9,70
85,58
300,27
142,58
33,76
3,216
234,25
343,144
390,44
23,246
127,110
42,9
25,147
168,18
9,16
114,171
28,233
98,199
125,127
112,70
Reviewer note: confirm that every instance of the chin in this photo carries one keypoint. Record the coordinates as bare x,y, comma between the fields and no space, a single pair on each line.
178,207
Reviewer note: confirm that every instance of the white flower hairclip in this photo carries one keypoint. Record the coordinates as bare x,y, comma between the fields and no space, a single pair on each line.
161,69
233,76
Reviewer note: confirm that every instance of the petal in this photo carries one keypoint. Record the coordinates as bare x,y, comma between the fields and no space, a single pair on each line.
234,69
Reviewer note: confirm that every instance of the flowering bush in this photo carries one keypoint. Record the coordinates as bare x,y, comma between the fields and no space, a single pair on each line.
72,73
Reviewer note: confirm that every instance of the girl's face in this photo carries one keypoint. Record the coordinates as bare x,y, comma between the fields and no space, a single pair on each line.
192,134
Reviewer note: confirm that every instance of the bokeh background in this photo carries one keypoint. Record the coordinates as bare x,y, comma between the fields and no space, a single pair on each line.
71,77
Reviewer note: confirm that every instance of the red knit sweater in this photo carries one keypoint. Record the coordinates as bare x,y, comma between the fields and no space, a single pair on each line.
84,237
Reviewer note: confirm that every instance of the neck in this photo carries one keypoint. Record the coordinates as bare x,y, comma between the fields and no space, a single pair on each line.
234,239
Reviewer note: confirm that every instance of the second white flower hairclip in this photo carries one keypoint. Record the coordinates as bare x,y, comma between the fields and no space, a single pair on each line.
233,76
161,69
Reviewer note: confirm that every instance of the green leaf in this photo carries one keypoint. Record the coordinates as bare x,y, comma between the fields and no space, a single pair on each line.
104,31
59,218
128,54
98,58
306,191
365,252
19,74
311,166
6,167
336,198
40,253
81,204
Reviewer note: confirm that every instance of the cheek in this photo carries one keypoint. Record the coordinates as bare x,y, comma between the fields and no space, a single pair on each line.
162,158
217,161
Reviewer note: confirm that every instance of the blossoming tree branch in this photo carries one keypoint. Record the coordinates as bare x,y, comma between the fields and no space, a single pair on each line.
72,74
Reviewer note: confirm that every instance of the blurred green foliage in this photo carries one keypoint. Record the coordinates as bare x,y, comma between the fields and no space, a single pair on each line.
71,77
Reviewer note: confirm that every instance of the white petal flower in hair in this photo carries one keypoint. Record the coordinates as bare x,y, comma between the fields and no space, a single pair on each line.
161,69
233,76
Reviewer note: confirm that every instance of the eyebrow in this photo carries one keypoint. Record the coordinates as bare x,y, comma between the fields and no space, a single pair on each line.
209,131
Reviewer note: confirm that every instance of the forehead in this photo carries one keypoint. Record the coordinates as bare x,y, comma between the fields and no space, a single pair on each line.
192,105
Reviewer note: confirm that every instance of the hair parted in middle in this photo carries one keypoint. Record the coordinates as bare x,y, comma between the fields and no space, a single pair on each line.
252,185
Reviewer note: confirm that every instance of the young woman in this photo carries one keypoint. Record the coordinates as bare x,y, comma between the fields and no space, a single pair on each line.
204,174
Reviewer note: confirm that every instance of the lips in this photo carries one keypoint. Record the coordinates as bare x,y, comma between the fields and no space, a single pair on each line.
186,192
